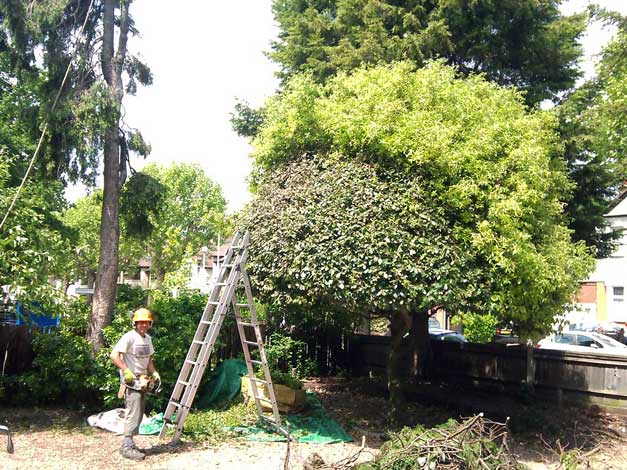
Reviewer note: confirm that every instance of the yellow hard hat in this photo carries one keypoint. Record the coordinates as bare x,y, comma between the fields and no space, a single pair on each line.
143,314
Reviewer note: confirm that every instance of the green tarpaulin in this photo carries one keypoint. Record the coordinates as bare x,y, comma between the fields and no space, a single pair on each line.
313,425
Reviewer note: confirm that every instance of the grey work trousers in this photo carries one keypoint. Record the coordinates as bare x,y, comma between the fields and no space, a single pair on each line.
135,404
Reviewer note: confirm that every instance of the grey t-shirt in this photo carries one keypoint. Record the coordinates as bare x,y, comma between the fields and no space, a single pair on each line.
137,350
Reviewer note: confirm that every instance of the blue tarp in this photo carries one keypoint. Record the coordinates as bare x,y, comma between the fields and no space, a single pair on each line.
45,322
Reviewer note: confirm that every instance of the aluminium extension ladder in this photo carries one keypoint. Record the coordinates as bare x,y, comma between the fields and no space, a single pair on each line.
230,281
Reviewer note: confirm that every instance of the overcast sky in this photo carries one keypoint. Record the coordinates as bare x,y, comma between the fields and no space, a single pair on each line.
205,54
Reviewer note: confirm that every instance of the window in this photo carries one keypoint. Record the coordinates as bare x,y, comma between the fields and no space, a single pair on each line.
619,293
583,340
565,338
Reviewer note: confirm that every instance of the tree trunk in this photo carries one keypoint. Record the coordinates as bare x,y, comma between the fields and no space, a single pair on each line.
421,353
400,323
106,278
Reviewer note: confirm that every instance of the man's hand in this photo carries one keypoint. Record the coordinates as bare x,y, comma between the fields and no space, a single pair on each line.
129,377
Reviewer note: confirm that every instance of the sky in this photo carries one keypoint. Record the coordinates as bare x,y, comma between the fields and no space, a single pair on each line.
203,56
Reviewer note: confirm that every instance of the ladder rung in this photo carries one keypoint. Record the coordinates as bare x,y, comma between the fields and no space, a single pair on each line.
255,379
175,403
264,399
237,247
198,342
214,302
230,265
221,284
268,418
246,324
252,343
187,361
206,322
256,362
243,305
187,384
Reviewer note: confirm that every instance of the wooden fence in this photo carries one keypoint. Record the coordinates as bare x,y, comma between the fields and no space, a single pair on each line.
592,374
16,351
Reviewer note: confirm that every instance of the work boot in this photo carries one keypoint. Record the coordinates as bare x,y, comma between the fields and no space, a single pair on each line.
132,453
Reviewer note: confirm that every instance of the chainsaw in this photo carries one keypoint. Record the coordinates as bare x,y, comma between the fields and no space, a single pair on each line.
142,383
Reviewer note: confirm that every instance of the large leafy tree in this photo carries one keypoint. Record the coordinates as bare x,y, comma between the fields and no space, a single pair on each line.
524,43
467,147
191,215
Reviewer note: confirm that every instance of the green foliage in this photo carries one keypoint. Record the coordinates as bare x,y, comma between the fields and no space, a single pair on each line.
63,371
425,190
281,378
83,217
451,444
288,356
209,426
142,197
593,129
192,215
524,43
479,328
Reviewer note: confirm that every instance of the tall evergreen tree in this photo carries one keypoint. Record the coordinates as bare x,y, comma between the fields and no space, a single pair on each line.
525,43
85,123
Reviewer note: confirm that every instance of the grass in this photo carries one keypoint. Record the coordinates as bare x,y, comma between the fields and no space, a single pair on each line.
209,425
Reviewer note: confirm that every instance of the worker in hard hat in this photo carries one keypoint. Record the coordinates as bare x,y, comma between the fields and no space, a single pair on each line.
133,356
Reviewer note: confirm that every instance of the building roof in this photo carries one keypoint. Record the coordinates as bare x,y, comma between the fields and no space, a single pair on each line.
619,206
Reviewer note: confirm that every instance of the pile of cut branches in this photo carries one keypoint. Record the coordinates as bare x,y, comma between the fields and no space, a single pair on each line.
475,443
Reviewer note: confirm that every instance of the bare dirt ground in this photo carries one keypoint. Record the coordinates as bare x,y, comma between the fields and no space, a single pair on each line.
60,439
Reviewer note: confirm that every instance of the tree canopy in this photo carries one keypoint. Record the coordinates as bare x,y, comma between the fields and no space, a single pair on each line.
476,154
525,43
192,214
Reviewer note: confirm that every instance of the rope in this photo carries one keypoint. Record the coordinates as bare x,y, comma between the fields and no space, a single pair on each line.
43,132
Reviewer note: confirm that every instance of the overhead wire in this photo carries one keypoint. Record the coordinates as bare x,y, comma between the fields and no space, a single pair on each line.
45,128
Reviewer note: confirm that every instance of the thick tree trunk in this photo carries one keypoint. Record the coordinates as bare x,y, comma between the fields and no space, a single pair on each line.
106,278
421,353
400,323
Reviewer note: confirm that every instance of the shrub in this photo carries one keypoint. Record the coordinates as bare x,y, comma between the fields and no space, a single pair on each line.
479,328
289,355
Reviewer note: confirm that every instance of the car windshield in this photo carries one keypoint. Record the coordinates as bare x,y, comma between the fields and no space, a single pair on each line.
609,342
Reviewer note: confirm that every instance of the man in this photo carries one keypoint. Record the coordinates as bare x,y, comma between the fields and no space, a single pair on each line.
133,356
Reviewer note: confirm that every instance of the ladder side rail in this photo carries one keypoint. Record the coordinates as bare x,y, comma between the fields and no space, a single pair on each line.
249,365
262,352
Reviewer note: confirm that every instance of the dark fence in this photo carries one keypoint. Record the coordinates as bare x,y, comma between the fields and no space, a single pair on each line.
16,351
595,374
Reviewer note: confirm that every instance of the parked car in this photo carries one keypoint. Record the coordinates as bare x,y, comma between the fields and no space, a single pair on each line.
613,330
446,335
583,341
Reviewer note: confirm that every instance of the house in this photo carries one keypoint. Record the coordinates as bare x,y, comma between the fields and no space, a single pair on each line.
205,266
601,297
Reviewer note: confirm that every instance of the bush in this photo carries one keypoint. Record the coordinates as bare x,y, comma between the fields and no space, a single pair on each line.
479,328
63,371
289,356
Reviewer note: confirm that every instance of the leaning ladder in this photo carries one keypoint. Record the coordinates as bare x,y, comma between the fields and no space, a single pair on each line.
232,277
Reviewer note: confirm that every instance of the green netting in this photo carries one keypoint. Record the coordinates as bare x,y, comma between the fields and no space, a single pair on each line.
313,425
225,384
152,426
